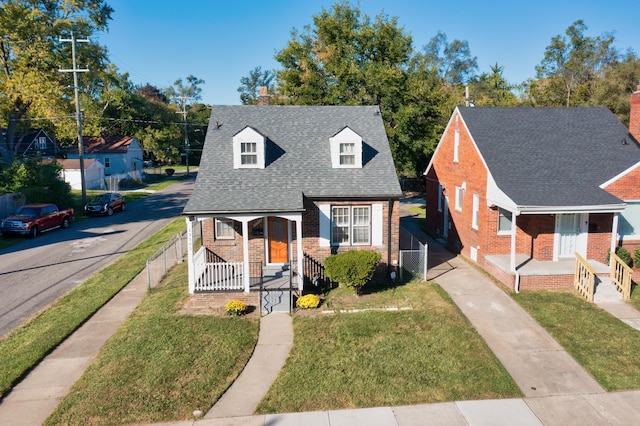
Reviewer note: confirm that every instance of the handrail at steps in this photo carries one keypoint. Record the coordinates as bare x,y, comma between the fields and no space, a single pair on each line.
584,279
621,276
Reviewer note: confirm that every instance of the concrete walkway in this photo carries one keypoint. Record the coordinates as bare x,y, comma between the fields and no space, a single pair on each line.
271,352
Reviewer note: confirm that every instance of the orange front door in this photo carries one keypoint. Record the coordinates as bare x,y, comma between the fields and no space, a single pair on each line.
278,240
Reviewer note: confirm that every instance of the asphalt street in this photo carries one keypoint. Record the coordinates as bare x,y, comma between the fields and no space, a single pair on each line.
34,273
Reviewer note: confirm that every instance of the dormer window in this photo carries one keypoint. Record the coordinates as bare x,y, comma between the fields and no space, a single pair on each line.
346,149
249,149
347,154
248,153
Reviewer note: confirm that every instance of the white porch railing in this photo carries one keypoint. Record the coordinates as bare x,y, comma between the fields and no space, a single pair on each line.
216,276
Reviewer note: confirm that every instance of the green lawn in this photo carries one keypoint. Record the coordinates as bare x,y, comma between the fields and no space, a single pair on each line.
376,358
160,366
27,345
605,346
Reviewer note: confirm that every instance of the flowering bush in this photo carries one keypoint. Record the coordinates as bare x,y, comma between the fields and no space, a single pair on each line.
310,301
235,307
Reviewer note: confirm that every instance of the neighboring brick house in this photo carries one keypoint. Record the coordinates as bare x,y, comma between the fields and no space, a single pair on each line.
121,156
519,190
287,185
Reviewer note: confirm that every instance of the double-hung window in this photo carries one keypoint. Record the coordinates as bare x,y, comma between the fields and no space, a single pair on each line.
476,211
351,225
224,229
42,142
248,153
347,154
459,196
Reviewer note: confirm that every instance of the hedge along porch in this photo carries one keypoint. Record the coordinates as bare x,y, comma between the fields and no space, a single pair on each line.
286,186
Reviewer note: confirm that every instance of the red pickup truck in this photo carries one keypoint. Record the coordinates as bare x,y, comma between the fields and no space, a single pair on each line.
32,219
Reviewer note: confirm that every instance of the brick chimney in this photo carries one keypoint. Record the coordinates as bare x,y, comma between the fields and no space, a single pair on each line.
634,114
263,97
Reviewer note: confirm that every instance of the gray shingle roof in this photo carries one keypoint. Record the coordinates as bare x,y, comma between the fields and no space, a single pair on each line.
298,159
552,156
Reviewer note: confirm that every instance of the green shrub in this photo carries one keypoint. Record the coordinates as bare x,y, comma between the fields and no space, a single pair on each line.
309,301
636,258
235,307
623,254
353,268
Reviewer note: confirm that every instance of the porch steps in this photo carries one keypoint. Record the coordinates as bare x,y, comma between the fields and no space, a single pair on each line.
605,291
275,300
276,271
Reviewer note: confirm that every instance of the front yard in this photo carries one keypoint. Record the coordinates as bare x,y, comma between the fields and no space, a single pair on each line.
162,365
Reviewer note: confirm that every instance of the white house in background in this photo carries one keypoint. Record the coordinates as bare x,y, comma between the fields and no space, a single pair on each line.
121,156
93,173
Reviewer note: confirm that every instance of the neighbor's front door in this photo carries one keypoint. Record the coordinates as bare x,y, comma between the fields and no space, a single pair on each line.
570,234
278,240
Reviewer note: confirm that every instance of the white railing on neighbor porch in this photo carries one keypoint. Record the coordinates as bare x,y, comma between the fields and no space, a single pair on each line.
216,276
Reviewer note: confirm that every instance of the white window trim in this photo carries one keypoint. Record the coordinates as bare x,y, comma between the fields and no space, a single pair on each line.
475,214
456,146
345,136
501,232
459,198
351,225
249,135
226,223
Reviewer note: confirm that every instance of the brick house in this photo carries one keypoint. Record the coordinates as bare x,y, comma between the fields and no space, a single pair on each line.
284,187
521,190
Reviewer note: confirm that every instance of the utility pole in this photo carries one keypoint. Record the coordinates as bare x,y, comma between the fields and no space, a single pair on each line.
73,40
183,102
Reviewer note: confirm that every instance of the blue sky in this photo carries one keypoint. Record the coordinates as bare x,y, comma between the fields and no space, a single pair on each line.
159,41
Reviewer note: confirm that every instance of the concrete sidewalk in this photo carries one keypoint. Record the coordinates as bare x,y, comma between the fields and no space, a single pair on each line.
32,400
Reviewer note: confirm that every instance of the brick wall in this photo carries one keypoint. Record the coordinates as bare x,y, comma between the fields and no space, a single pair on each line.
230,250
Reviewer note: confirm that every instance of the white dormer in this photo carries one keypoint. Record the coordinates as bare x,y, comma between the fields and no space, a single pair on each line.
249,149
346,149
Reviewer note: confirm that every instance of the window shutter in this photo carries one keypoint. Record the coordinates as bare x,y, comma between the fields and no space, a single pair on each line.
325,225
376,225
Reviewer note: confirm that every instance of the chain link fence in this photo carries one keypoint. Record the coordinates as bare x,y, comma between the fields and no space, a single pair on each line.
413,260
172,252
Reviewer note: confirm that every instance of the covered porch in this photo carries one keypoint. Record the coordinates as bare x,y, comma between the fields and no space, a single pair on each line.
273,259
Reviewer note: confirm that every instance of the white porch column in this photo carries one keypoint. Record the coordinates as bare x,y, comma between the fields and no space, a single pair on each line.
614,232
246,279
300,253
512,260
191,268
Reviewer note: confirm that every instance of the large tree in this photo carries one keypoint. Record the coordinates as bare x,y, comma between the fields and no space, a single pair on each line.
571,64
348,58
31,55
452,61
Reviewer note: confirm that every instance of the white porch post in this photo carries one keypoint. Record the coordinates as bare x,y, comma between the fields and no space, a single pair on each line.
614,232
512,260
246,279
300,253
191,268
